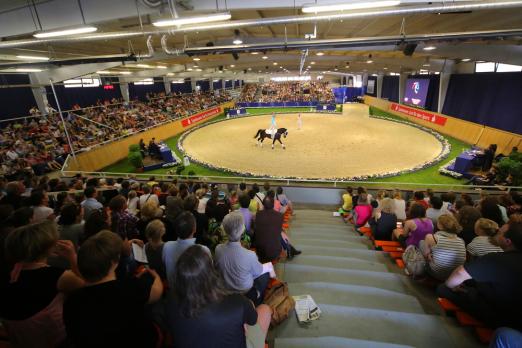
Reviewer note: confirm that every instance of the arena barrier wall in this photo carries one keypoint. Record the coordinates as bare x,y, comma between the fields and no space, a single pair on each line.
469,132
105,155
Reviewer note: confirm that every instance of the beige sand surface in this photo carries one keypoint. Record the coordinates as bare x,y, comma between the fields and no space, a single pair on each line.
327,146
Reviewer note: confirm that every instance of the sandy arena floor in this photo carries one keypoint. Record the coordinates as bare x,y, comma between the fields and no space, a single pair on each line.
327,146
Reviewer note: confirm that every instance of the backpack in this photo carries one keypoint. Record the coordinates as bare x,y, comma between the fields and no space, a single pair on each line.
414,261
280,301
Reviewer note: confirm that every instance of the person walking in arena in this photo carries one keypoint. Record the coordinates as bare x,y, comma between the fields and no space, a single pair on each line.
299,122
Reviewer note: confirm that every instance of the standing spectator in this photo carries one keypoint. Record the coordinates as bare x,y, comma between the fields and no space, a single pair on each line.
31,303
122,222
269,226
148,196
69,223
109,312
444,250
204,311
185,225
242,272
248,217
190,204
90,203
481,245
132,202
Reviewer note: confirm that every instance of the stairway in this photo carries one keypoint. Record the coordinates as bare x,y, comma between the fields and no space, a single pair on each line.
364,299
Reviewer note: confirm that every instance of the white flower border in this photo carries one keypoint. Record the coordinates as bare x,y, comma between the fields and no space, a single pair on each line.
446,148
444,170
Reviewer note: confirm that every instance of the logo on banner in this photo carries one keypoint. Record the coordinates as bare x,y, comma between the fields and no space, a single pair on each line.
201,116
416,87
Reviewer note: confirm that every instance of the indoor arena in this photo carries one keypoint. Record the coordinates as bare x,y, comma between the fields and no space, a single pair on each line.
260,174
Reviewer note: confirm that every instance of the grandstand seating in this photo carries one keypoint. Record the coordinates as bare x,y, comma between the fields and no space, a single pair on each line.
366,301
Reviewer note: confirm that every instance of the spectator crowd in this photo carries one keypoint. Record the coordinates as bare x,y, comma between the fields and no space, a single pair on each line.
72,262
471,248
38,144
287,92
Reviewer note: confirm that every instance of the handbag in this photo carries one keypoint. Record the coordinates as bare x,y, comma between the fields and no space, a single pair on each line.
414,261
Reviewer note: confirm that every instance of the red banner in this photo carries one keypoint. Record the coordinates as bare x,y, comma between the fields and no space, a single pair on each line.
421,114
200,117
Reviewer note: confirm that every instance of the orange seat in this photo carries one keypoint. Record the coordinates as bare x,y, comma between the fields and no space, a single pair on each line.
395,254
484,334
365,230
399,263
447,305
467,320
392,248
381,243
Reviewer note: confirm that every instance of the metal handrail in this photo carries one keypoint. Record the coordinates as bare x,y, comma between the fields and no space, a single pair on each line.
287,181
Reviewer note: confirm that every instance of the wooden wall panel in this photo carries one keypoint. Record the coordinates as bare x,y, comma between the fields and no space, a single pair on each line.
469,132
103,156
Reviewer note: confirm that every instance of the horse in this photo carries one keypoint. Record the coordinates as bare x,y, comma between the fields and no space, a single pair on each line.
262,134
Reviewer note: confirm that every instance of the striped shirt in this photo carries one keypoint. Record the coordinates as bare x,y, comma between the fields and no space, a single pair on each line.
447,254
481,246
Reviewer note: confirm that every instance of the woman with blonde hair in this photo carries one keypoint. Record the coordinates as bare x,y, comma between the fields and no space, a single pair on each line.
384,222
444,251
399,207
485,229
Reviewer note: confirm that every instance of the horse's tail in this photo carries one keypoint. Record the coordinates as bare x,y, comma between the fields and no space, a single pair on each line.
258,133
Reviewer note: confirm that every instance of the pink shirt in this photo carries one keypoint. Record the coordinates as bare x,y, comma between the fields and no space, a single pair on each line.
364,212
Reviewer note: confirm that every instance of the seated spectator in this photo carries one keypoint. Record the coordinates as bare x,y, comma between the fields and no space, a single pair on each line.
148,196
362,211
384,222
148,212
416,228
97,221
347,201
203,314
242,272
185,225
485,230
435,210
505,337
248,217
69,223
399,206
283,199
190,204
32,301
494,295
132,202
258,196
13,194
444,251
418,197
448,201
254,203
109,312
490,209
174,205
216,208
201,194
242,189
122,222
467,217
269,236
233,201
90,203
154,247
40,204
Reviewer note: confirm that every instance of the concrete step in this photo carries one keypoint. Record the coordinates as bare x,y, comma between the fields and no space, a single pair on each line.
326,234
370,255
331,342
304,273
357,296
337,262
298,242
417,330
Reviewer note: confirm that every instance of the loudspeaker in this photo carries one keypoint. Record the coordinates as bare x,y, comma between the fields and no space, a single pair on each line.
209,44
235,55
409,49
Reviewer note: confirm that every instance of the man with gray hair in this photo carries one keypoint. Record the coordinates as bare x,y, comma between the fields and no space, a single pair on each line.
240,267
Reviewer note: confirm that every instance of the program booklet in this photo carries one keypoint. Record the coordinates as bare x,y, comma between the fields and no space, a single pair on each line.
306,309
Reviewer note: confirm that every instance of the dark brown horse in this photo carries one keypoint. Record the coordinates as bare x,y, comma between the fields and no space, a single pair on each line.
262,134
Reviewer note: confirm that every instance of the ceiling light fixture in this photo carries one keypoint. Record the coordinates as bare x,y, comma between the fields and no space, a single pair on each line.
429,48
274,63
237,41
28,70
465,60
215,17
104,72
312,63
369,61
125,72
161,67
350,6
143,65
427,65
319,54
265,57
65,32
254,53
196,59
32,58
232,66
